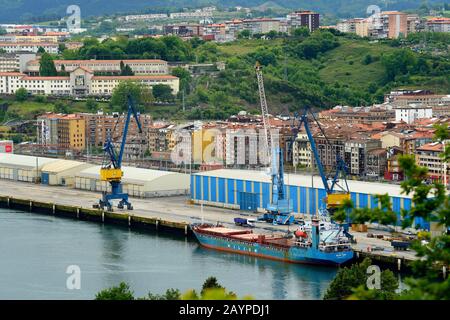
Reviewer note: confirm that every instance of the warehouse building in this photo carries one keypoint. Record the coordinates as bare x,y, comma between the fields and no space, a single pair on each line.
137,182
22,168
62,172
251,191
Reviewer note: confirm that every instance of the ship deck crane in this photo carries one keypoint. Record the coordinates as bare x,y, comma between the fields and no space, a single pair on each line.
279,210
337,193
111,170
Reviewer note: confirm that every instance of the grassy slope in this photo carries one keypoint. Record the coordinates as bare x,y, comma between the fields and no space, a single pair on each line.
338,67
343,64
29,108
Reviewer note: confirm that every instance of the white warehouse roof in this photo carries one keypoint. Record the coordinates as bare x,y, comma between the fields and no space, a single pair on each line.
152,180
23,162
62,165
305,181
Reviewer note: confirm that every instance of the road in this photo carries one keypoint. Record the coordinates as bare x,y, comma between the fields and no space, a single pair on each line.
177,209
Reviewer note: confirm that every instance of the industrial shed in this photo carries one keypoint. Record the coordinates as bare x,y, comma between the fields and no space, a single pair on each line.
251,190
137,182
22,168
62,172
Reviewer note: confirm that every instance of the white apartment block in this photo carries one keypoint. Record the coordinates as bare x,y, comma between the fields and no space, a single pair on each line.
137,17
29,46
138,66
15,62
30,39
438,25
80,82
302,154
412,112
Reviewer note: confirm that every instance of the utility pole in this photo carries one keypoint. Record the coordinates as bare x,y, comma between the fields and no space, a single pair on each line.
182,96
37,169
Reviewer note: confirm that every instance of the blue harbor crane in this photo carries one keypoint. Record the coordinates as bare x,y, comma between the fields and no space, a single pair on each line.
336,192
279,210
111,170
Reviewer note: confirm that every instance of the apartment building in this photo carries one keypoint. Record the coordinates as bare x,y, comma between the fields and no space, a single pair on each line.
413,112
402,98
428,156
302,154
60,132
15,61
29,38
388,24
30,47
356,157
143,17
397,23
80,82
376,163
438,24
358,114
304,18
100,126
184,30
261,25
353,26
138,66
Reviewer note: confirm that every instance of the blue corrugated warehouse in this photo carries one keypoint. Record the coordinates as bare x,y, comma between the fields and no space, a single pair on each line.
251,190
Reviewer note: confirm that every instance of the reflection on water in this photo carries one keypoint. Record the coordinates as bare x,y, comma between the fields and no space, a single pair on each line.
36,250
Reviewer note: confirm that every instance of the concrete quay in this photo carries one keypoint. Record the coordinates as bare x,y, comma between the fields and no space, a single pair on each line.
166,213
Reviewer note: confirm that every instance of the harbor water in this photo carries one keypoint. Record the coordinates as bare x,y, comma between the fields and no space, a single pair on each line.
37,250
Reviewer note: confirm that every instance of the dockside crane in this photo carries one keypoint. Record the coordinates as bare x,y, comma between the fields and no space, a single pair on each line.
336,191
279,210
111,169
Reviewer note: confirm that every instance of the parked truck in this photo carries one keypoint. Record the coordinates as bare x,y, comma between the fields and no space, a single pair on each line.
400,245
244,222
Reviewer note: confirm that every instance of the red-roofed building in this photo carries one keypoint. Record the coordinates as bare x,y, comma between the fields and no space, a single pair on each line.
138,66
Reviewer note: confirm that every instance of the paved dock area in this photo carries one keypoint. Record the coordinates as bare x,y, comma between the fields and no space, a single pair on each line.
176,209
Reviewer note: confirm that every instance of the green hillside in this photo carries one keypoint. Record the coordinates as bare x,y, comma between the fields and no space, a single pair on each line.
321,70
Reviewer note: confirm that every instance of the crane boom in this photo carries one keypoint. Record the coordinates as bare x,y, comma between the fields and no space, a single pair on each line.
264,110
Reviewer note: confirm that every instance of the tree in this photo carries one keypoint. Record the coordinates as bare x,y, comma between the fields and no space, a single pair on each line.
302,32
185,78
171,294
125,70
41,50
91,105
244,34
210,283
162,92
140,93
347,279
399,62
368,59
21,94
60,107
432,204
47,66
120,292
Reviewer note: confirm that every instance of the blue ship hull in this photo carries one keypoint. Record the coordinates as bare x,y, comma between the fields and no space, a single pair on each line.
293,254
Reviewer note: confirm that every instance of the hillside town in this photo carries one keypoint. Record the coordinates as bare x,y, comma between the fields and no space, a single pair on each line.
369,139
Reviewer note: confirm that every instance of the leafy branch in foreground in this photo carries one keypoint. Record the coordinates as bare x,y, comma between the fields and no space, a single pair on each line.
432,204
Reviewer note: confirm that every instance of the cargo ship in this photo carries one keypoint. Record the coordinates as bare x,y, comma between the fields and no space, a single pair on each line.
302,247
